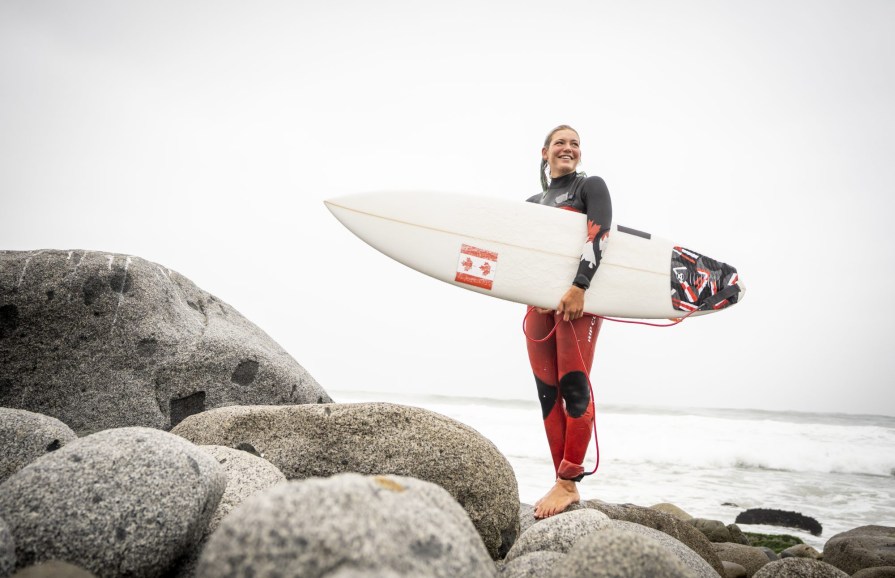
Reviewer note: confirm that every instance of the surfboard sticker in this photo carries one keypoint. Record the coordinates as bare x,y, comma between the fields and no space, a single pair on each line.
476,267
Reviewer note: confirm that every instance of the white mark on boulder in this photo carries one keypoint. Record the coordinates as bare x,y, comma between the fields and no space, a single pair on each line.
111,259
127,263
69,255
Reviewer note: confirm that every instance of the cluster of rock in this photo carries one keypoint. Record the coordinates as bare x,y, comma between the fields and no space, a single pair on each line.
262,476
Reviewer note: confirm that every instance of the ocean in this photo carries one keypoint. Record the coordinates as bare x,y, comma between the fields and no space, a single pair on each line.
712,463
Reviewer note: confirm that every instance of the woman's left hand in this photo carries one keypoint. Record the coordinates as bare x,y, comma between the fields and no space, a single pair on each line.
571,306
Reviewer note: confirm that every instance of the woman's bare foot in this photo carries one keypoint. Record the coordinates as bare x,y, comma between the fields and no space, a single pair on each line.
563,494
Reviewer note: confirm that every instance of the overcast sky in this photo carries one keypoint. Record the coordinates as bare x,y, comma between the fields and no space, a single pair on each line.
205,136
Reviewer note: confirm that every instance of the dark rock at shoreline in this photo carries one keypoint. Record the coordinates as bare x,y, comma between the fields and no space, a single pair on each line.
558,533
677,529
127,501
306,441
101,340
25,436
771,517
799,568
863,547
360,525
615,552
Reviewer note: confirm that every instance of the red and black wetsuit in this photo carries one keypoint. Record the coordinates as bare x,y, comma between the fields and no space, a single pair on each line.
557,367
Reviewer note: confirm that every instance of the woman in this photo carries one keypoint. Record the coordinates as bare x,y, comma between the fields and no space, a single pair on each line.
560,375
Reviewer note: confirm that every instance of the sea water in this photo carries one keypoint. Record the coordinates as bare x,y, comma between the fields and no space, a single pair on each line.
713,463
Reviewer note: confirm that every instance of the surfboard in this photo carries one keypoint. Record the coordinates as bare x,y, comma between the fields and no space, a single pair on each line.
529,254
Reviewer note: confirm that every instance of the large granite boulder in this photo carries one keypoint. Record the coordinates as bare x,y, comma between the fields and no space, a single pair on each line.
101,340
860,548
127,502
614,552
689,559
531,565
558,533
306,441
358,525
673,510
677,529
875,572
749,557
25,436
7,550
799,568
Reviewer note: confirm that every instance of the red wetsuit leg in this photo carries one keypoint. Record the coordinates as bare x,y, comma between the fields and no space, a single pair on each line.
580,335
542,356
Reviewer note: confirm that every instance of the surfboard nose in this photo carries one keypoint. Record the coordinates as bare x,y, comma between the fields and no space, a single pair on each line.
742,292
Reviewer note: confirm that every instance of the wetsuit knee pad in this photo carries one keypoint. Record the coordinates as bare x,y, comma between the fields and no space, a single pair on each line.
547,396
575,392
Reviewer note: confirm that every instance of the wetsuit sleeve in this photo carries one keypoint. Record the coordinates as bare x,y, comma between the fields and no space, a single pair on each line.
598,207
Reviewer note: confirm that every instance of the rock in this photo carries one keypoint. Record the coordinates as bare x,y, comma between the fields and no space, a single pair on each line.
733,570
370,524
772,556
247,475
526,517
531,565
799,568
682,531
127,501
749,557
558,533
693,562
613,552
25,436
714,530
801,551
306,441
784,518
773,542
672,510
7,550
863,547
101,340
737,536
875,572
53,569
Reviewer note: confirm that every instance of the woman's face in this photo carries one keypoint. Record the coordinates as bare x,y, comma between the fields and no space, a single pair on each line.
563,153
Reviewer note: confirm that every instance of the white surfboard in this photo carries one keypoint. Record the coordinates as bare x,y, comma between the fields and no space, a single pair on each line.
529,254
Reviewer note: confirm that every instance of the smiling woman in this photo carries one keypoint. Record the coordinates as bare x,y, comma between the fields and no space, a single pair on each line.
561,342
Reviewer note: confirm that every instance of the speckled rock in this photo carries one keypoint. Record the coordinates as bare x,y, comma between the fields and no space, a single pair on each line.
526,517
532,565
801,551
693,562
7,550
749,557
366,524
558,533
127,501
714,530
737,536
876,572
616,553
53,569
672,510
734,570
377,438
799,568
863,547
101,340
677,529
25,436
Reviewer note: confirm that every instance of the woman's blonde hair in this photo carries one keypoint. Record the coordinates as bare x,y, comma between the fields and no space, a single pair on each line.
544,180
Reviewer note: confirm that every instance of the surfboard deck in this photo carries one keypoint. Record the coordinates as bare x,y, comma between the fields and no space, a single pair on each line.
528,253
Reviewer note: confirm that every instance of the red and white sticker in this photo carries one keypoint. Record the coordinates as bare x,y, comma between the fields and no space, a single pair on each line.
476,267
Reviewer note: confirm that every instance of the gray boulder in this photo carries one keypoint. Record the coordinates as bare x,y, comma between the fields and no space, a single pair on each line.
733,570
876,572
801,551
372,525
306,441
526,517
673,510
101,340
689,559
616,553
738,536
53,569
677,529
799,568
7,550
863,547
714,530
532,565
25,436
749,557
558,533
127,501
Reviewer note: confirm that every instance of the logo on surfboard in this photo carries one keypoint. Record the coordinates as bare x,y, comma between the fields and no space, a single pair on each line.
476,267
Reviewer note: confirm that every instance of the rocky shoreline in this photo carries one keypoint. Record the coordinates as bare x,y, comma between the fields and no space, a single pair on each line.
148,429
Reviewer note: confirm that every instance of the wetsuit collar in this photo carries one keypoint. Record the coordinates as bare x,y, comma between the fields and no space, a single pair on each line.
563,181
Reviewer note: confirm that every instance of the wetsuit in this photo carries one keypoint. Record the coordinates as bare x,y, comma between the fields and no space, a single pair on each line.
560,376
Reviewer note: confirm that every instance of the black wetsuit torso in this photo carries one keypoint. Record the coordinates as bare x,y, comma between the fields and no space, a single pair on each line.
590,196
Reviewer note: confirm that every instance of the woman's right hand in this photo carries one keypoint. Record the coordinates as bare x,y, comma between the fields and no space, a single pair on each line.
543,311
